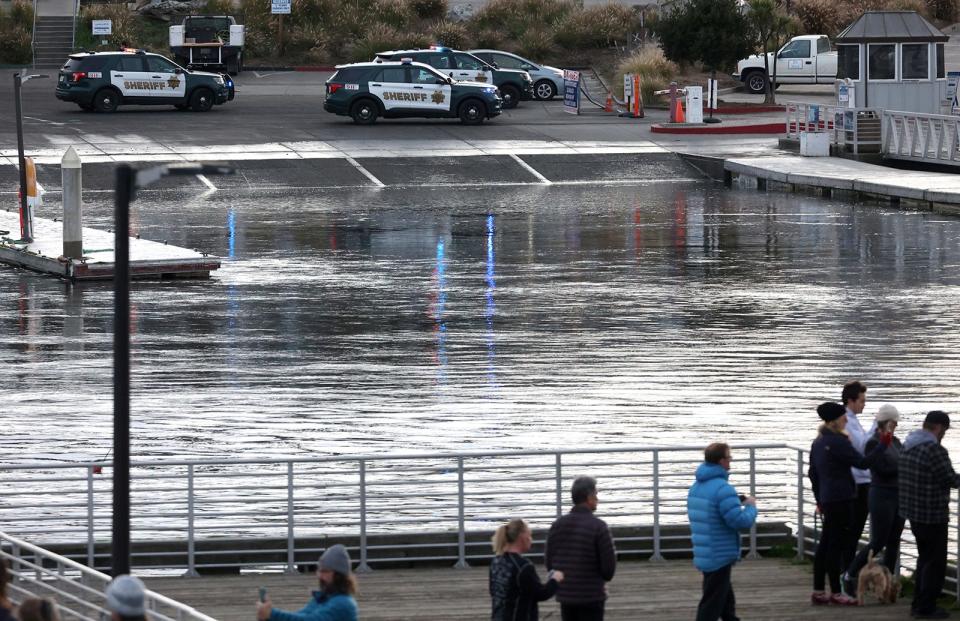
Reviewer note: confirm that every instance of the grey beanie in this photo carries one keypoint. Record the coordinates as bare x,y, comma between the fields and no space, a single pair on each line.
336,559
125,596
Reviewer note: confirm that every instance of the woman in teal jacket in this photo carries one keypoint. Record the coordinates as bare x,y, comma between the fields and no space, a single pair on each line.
716,516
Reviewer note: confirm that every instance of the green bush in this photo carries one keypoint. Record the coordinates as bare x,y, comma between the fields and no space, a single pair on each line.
16,40
823,16
429,9
396,13
656,72
598,26
219,7
260,31
127,28
536,45
513,18
451,34
380,38
488,38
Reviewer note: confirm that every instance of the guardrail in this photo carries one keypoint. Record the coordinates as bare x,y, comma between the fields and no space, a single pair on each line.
856,130
77,590
928,138
283,512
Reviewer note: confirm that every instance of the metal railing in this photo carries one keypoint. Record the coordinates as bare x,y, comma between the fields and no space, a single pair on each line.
282,513
77,590
929,138
852,129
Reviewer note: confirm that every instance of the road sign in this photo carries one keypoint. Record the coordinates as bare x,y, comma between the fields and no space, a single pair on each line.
571,91
102,26
280,7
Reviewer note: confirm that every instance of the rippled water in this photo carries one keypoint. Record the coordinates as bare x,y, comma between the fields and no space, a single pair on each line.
531,317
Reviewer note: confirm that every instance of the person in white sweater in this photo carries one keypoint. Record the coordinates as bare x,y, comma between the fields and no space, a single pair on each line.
854,398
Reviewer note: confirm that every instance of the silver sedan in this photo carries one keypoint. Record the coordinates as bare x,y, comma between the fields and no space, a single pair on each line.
547,81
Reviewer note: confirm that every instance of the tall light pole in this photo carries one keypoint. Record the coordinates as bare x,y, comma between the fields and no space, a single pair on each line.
26,224
128,181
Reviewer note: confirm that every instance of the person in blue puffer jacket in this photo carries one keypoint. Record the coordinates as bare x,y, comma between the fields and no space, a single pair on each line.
335,599
717,514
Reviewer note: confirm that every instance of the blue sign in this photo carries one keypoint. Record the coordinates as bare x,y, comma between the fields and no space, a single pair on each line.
571,91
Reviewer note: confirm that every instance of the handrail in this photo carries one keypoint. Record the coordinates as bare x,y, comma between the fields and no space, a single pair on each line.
930,138
33,37
842,123
75,585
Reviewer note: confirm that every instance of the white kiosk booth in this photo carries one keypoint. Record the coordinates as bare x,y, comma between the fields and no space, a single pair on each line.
895,61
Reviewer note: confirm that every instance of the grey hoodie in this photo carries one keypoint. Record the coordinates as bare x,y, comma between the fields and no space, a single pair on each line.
915,438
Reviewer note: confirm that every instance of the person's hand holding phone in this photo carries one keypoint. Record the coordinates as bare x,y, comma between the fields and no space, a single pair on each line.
555,574
264,607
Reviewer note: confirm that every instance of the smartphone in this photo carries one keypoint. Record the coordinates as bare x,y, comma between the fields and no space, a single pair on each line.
263,594
741,497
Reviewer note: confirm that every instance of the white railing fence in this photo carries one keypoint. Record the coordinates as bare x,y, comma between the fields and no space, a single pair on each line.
854,129
77,590
930,138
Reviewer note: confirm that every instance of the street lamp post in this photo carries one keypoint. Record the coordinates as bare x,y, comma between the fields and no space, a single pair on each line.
26,224
128,181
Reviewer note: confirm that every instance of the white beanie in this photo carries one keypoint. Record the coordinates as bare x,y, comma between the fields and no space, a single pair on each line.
887,412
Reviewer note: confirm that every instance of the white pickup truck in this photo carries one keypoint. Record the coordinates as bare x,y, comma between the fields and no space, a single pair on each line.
808,59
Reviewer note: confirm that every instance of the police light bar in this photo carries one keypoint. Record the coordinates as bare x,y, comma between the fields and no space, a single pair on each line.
406,61
439,48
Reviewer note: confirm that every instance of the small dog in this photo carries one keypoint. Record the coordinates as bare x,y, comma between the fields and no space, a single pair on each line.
876,578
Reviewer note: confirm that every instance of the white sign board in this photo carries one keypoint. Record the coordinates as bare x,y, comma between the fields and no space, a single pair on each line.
102,26
280,7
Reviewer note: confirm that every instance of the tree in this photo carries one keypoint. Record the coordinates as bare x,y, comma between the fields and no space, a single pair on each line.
771,25
712,32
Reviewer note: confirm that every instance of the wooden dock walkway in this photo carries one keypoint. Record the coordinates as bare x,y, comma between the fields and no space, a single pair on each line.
773,589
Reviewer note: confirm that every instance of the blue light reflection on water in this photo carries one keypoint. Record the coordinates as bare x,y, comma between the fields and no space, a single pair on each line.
439,302
491,307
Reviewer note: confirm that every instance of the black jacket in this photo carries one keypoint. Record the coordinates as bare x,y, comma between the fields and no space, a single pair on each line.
883,473
515,589
831,457
580,545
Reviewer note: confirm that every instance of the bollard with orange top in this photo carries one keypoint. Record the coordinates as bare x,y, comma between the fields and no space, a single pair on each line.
26,213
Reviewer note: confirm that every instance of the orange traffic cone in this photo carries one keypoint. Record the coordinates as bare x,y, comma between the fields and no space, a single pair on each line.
678,116
609,105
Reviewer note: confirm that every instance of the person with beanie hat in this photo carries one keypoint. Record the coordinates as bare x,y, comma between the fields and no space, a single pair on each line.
926,476
335,599
831,457
886,524
6,606
125,599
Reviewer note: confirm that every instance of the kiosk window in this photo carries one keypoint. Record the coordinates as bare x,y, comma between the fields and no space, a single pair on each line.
881,62
915,61
848,62
941,71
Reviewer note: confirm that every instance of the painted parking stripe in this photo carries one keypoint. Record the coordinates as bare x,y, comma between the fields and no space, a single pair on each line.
366,173
206,182
530,169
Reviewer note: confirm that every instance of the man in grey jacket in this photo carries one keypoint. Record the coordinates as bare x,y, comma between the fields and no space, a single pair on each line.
580,545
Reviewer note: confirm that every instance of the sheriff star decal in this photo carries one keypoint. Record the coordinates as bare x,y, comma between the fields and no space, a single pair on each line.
173,82
481,77
438,97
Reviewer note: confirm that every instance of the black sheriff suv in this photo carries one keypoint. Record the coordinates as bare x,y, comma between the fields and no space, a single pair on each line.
103,81
365,91
515,86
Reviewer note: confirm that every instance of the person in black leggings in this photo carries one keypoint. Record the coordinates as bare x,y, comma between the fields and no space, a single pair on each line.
831,457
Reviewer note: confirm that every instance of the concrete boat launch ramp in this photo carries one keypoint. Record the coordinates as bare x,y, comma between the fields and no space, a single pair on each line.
148,259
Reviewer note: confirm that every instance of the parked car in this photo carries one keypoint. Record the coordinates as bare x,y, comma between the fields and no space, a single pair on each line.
547,80
515,86
365,91
103,81
809,59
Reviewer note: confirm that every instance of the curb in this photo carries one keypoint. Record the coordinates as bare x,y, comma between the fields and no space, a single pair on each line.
697,128
746,109
289,68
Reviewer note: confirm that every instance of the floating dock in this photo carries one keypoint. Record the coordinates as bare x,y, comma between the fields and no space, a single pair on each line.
148,259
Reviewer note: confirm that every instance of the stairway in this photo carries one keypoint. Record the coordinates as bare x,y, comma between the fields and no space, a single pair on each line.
52,40
595,89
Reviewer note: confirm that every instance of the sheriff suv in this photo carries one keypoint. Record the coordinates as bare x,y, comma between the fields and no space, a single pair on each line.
515,86
365,91
103,81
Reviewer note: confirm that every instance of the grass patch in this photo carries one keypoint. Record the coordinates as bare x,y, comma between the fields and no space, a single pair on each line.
655,71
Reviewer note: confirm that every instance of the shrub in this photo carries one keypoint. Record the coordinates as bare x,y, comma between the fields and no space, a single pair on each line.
126,27
379,38
536,45
451,34
396,13
218,7
15,34
21,14
259,31
429,9
655,71
488,38
513,18
823,16
598,26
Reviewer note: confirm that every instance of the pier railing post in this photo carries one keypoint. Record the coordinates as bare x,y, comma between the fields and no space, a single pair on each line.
801,540
461,521
191,545
558,475
91,547
363,567
656,507
753,492
71,179
291,542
